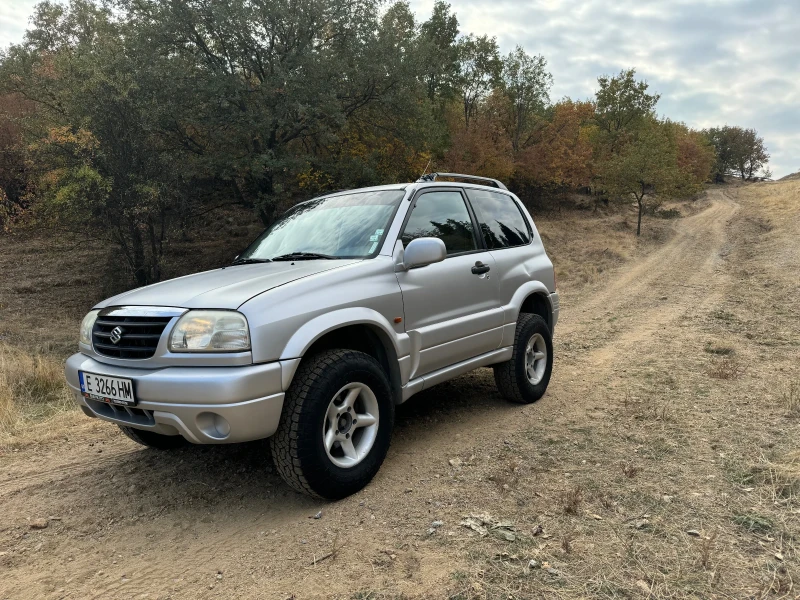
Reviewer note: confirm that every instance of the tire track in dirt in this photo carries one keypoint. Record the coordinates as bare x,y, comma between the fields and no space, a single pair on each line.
681,278
83,464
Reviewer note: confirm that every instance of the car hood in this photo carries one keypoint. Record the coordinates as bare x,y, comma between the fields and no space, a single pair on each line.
228,287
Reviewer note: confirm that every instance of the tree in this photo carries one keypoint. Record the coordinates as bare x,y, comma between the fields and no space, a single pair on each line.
526,84
622,104
695,154
437,47
648,167
479,71
101,169
483,149
738,150
391,138
15,168
560,153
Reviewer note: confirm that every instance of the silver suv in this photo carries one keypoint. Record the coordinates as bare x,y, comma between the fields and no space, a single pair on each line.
348,305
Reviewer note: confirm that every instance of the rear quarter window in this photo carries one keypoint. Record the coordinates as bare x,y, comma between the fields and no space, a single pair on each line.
500,218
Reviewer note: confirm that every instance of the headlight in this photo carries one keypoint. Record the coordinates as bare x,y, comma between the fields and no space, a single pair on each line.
86,327
210,331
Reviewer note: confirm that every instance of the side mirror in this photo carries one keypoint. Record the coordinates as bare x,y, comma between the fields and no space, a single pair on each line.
424,251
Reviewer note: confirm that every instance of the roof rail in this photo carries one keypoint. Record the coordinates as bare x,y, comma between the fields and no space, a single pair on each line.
485,180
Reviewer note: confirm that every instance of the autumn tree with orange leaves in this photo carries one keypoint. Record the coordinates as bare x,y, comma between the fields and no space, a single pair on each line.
560,155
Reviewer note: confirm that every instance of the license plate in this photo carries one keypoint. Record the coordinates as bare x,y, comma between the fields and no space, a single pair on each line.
112,390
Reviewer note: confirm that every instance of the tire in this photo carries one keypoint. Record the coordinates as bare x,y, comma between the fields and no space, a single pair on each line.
512,377
151,439
300,446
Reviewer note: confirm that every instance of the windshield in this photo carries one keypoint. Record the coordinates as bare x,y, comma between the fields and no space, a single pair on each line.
346,226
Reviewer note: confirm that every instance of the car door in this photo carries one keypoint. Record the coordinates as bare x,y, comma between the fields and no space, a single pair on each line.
452,308
507,235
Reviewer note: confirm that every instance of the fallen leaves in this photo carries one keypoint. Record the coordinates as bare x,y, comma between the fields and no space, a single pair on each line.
483,524
39,523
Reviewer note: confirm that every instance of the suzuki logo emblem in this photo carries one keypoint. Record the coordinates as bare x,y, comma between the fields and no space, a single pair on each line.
116,335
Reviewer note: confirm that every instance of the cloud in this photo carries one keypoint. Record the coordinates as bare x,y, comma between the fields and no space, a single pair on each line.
14,15
713,61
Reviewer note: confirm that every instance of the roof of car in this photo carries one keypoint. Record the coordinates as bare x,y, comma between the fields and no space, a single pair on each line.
426,183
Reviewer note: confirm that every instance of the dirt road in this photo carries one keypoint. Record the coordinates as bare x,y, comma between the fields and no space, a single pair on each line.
665,400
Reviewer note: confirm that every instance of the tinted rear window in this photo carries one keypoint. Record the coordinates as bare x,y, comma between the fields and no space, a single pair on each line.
501,220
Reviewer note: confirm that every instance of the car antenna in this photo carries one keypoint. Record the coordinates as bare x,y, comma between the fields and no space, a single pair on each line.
426,167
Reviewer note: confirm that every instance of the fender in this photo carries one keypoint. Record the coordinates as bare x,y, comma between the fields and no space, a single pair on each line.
314,329
511,310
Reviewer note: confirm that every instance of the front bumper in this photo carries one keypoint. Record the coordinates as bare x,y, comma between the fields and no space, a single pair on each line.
206,405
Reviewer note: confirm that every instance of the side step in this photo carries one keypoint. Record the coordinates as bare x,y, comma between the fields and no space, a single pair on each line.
429,380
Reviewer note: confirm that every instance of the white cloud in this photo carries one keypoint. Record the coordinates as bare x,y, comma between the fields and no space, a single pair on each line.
14,16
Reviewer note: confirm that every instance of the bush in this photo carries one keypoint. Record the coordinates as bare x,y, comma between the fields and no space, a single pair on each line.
32,388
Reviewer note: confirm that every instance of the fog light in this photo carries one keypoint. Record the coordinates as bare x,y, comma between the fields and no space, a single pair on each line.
213,425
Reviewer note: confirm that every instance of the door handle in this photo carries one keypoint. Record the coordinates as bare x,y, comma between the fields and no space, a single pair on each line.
480,268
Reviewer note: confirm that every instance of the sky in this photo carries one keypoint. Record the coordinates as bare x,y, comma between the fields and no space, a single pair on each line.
714,62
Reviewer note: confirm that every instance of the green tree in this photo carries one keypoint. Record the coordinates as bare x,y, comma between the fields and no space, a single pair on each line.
622,103
739,150
526,83
437,48
103,172
480,67
265,86
648,167
15,167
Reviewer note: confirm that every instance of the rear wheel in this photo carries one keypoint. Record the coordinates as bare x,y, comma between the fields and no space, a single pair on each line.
525,377
336,424
152,439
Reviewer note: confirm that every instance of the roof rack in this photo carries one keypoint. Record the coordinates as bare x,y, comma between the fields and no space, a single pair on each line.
485,180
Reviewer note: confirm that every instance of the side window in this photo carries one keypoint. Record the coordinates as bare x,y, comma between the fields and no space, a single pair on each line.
501,221
442,215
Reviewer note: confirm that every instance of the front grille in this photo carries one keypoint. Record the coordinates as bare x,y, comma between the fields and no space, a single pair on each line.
139,337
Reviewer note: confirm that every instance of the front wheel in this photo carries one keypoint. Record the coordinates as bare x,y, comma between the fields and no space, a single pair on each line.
524,378
336,424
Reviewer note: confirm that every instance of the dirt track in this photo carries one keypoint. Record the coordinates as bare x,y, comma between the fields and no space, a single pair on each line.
630,387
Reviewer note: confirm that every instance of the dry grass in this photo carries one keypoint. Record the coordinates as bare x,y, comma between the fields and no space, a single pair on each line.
32,390
720,348
781,475
571,500
585,245
725,367
791,399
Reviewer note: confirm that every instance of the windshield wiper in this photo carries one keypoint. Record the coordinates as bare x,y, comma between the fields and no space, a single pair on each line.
250,261
304,256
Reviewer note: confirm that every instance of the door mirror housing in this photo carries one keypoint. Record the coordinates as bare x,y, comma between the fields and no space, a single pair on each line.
424,251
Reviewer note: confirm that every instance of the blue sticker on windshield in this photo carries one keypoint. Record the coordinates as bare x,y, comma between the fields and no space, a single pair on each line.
373,238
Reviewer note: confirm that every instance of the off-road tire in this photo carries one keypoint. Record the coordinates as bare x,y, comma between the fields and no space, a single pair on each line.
510,376
151,439
297,446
